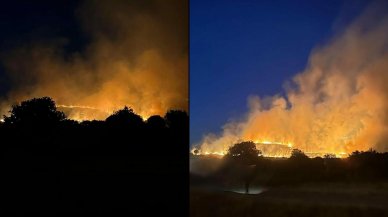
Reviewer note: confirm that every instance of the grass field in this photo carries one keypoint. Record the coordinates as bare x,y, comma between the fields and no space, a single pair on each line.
329,199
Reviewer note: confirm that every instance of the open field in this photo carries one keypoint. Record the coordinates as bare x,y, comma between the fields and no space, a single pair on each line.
324,199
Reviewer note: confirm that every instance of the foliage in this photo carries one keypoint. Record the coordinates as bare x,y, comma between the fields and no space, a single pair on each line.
327,156
124,118
156,122
360,166
298,155
36,111
73,159
244,152
176,119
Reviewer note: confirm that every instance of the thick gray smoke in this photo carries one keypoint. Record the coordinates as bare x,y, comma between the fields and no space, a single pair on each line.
137,56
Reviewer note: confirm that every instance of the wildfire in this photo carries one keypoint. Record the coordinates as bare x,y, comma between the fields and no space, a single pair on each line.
199,152
84,112
81,112
288,144
336,105
269,149
78,106
144,69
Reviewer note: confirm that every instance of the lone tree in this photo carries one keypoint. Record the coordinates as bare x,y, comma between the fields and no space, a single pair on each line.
244,152
297,154
36,112
246,155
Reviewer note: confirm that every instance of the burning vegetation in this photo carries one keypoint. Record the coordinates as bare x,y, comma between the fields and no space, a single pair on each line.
272,150
243,162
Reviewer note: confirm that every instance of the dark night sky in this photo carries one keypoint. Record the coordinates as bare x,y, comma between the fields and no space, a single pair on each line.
237,48
242,48
24,21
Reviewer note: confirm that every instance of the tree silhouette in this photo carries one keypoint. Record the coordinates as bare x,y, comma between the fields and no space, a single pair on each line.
156,122
177,120
244,152
329,156
42,145
36,111
177,123
246,155
125,117
297,154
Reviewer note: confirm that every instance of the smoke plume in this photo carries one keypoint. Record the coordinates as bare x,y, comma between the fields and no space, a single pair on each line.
338,104
137,55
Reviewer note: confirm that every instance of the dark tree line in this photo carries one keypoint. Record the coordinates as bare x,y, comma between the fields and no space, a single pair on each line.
244,164
55,166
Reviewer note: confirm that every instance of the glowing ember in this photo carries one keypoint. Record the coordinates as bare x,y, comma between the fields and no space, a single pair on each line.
77,106
270,142
83,112
218,153
198,152
271,150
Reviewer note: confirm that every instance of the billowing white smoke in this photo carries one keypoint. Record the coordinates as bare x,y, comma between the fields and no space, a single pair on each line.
339,103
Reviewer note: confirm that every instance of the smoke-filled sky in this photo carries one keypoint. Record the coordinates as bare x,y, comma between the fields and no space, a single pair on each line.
96,56
311,74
